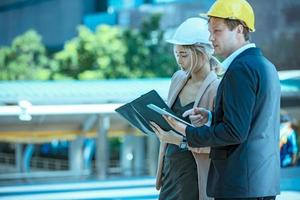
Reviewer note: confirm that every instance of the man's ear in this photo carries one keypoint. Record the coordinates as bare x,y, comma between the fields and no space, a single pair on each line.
240,29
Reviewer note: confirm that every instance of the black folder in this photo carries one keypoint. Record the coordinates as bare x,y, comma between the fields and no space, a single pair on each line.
139,115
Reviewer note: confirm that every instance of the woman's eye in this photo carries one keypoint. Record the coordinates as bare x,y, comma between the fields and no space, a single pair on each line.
183,55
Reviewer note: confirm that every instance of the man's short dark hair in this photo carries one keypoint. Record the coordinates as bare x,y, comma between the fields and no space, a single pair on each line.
233,23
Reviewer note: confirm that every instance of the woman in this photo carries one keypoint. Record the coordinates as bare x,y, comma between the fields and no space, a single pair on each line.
182,171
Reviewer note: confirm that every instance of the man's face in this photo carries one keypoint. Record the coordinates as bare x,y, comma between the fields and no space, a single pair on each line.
223,39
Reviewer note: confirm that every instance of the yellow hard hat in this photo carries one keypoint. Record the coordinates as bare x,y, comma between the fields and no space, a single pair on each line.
233,9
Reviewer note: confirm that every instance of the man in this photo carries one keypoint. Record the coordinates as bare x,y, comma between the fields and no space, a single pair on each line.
244,133
288,142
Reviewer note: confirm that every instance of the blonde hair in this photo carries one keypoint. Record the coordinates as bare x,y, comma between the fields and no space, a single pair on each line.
206,51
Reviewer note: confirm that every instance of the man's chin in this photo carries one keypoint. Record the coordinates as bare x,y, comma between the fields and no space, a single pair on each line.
220,53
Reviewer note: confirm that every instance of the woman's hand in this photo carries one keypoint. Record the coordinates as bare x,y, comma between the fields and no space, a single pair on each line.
176,125
166,136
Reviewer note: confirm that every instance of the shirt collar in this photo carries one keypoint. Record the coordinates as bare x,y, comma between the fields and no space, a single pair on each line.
225,64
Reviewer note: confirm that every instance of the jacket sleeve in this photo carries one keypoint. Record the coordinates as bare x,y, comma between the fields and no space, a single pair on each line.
238,99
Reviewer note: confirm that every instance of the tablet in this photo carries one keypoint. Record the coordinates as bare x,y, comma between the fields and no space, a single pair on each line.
164,112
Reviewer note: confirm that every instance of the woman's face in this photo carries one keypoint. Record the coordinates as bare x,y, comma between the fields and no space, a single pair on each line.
183,57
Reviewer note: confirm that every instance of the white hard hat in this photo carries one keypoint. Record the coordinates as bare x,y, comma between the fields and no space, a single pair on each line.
192,31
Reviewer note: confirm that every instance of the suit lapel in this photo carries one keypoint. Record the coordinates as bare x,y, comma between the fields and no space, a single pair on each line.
208,80
175,91
250,51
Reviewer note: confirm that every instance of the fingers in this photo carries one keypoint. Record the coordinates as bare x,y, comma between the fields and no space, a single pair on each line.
172,122
188,112
176,125
157,130
201,111
197,120
196,117
155,126
199,117
195,111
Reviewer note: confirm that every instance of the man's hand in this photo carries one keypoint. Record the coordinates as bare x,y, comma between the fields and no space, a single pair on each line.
166,136
198,116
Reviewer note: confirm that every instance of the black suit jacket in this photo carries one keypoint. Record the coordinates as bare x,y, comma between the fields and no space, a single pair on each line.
244,135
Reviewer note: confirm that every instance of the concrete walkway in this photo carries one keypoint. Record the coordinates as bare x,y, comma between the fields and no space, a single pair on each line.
138,188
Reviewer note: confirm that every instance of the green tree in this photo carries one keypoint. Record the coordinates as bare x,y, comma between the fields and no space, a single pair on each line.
109,52
96,55
26,58
148,54
112,52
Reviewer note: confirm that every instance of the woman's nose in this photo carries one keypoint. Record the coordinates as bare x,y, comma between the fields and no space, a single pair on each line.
180,60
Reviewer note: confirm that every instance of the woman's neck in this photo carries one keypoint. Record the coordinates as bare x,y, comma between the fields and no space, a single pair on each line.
200,75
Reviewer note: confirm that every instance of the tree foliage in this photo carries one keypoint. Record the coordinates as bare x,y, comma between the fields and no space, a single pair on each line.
109,52
112,52
96,55
148,55
25,59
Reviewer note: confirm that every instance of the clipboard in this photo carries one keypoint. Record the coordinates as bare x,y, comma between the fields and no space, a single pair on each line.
137,121
164,112
138,114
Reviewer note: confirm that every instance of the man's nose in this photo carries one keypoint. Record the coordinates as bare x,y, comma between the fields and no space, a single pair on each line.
211,37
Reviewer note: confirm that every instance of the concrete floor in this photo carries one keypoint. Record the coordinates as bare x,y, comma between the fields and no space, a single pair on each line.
115,188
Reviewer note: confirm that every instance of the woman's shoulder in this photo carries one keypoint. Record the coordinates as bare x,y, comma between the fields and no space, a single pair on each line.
180,74
213,79
214,82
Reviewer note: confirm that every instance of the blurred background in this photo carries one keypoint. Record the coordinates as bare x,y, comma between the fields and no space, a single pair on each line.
65,65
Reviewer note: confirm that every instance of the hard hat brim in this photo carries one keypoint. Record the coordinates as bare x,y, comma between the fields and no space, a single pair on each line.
177,42
204,16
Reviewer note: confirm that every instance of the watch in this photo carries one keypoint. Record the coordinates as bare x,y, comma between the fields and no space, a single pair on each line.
183,144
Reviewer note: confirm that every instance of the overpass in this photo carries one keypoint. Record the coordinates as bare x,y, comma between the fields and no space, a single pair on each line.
35,112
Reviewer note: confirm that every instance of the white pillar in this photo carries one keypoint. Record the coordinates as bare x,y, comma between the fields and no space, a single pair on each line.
75,155
139,155
152,154
133,155
102,147
19,156
127,155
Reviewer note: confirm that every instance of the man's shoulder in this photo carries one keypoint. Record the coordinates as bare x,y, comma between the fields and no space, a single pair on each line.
253,51
252,58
